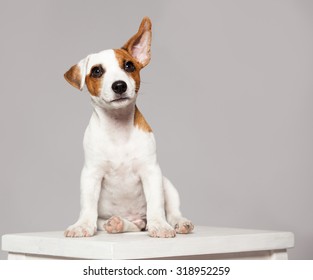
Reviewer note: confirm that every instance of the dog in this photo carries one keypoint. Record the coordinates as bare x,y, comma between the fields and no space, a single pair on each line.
122,186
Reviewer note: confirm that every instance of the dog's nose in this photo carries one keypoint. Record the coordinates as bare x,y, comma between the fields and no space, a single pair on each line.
119,87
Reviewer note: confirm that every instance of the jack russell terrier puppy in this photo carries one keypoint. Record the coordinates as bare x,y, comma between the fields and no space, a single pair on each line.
122,186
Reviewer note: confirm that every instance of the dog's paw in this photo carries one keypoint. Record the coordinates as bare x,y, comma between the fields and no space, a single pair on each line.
114,225
184,226
161,229
141,224
80,230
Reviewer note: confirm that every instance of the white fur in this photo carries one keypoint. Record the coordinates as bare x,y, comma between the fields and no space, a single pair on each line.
121,177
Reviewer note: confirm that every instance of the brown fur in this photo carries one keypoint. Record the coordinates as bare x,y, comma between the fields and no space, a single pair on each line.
140,121
122,56
73,76
145,26
94,85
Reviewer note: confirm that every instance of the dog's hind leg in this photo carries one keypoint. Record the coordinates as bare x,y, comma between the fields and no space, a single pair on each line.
117,225
173,214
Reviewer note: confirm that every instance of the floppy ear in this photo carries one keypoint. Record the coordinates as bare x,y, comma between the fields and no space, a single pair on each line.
76,74
139,45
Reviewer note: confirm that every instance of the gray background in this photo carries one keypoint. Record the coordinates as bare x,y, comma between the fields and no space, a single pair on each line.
228,94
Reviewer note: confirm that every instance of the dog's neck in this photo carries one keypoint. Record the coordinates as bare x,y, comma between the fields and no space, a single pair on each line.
118,122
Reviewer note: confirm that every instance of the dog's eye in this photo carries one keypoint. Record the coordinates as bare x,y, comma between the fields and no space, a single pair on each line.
97,72
129,66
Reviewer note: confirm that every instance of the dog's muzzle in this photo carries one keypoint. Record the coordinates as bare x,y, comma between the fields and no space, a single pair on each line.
119,87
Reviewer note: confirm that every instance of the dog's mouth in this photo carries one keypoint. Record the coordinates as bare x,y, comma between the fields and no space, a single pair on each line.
119,99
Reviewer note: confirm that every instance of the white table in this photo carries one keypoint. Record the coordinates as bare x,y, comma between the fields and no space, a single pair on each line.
204,243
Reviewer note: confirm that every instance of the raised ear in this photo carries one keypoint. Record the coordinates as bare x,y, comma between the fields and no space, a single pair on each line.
76,74
139,45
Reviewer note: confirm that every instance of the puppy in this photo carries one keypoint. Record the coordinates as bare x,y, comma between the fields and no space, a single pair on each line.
122,186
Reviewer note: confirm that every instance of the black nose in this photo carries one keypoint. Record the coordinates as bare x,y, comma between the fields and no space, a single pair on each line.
119,87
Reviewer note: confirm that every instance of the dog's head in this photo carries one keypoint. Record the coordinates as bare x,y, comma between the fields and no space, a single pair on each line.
112,76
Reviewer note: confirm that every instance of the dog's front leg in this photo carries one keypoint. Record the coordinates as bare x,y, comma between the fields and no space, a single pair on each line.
89,195
152,181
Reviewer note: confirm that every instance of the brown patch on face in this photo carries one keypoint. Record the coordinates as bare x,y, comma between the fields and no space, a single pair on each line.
123,56
94,84
140,121
73,76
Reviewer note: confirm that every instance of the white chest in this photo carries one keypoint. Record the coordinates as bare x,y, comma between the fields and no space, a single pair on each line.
115,144
117,153
122,192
